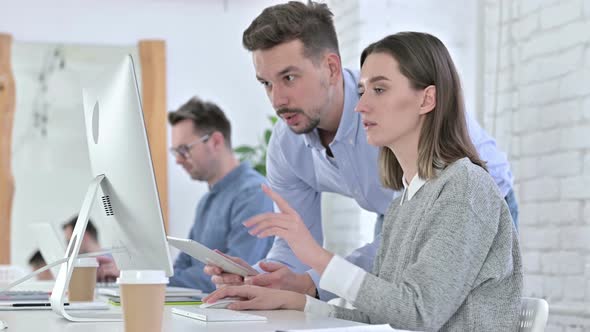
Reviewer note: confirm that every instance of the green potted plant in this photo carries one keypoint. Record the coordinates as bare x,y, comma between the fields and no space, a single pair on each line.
256,155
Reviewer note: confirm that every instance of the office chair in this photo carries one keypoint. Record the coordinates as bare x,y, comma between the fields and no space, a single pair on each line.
533,315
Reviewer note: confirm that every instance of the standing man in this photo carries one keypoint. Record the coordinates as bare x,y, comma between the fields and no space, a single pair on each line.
321,145
201,140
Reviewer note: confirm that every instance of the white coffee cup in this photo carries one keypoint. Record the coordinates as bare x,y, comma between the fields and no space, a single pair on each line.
142,298
83,280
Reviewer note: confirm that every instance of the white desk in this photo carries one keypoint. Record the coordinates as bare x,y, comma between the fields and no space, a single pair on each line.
48,321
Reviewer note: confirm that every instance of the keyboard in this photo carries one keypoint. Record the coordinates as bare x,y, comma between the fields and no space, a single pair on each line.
217,315
107,285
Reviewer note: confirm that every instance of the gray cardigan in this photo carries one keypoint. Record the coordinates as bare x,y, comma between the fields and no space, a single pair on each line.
449,259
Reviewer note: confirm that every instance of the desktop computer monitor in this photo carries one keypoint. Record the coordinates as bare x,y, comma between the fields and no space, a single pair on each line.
118,148
124,179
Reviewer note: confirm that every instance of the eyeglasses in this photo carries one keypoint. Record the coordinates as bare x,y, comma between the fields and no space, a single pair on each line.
184,150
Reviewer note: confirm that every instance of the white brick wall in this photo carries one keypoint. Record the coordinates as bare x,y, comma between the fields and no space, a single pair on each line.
528,6
575,238
586,106
341,223
570,85
341,216
544,213
562,262
553,40
555,165
577,187
559,14
574,288
560,114
532,262
552,288
525,27
535,283
542,189
539,93
545,63
348,23
534,143
541,240
552,66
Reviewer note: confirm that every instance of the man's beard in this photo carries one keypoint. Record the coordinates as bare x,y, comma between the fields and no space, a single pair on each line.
311,125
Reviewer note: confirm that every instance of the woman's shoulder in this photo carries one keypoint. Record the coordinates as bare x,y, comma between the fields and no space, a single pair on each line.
463,175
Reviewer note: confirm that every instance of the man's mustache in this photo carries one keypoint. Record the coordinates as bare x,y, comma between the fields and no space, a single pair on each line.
289,110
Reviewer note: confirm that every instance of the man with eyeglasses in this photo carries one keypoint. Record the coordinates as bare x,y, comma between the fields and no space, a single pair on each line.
201,144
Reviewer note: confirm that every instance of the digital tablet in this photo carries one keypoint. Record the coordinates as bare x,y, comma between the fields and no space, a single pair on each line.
208,256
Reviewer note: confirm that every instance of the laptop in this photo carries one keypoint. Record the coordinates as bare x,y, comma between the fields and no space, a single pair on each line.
46,305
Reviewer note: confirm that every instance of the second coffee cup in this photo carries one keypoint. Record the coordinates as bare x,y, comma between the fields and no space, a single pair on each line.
83,281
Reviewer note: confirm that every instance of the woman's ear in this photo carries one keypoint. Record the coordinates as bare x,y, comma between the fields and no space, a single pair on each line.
428,100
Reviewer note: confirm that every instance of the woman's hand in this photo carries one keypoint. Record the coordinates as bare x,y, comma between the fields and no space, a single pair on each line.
288,226
258,298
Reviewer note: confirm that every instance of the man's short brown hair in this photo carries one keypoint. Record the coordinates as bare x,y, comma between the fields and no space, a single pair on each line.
311,23
206,117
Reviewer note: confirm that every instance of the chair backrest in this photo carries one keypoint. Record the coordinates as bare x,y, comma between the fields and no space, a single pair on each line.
533,315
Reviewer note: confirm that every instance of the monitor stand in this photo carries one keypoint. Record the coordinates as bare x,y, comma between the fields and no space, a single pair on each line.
58,295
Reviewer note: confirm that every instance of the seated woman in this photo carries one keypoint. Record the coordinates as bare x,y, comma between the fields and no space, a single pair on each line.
450,258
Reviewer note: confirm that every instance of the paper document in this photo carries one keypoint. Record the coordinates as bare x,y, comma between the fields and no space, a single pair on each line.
363,328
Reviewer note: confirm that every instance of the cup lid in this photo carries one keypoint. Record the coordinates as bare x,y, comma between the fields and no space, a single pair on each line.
142,277
86,262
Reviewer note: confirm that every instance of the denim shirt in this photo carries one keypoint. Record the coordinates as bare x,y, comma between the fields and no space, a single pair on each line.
218,225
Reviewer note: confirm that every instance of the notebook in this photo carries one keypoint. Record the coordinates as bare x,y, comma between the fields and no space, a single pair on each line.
170,291
170,300
364,328
217,315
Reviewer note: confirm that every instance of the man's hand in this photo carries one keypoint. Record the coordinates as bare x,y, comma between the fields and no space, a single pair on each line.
279,276
107,269
289,226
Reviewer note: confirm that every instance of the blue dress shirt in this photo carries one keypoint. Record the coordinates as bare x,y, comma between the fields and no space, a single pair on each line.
299,169
218,225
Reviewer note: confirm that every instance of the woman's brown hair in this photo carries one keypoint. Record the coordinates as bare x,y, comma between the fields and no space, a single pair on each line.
444,139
